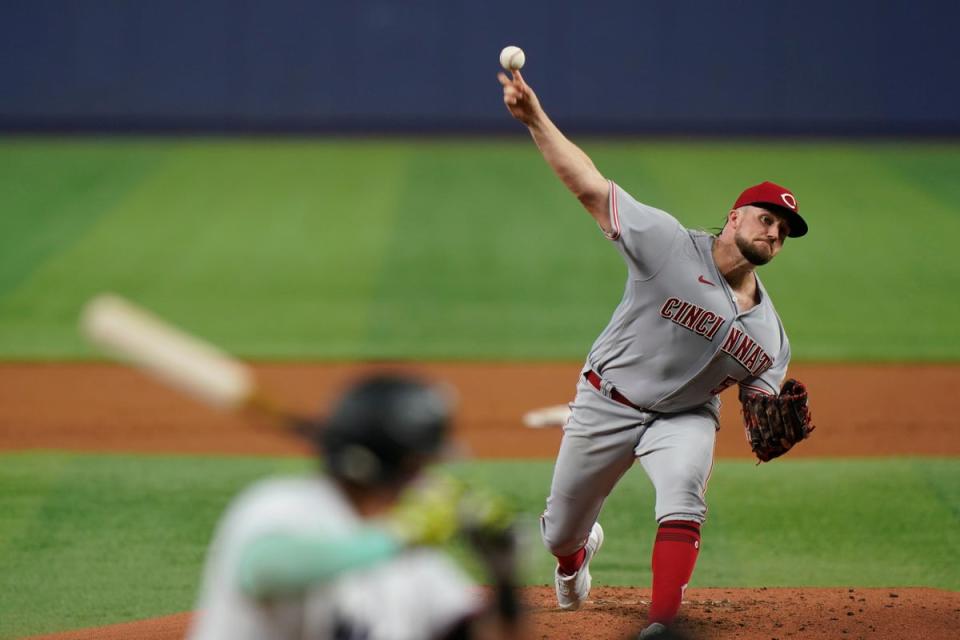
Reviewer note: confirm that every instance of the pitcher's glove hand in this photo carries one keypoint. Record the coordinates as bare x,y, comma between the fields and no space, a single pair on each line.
775,423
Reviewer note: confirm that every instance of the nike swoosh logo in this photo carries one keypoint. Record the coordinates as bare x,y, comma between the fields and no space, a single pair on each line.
705,281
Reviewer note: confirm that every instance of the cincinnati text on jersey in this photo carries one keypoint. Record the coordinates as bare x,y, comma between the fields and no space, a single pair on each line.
739,345
690,316
746,351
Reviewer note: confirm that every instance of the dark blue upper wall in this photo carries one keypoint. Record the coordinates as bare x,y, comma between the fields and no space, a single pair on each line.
766,66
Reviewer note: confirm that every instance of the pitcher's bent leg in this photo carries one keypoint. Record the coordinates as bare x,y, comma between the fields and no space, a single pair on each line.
582,479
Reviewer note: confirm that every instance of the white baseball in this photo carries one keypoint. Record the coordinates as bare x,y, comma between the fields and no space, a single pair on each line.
512,58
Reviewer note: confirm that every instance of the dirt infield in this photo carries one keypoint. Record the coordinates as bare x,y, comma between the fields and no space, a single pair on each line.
859,410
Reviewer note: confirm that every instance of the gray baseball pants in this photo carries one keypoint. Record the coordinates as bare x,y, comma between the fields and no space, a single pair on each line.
600,442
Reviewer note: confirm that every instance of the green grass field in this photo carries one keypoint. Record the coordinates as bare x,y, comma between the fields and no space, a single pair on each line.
93,539
453,249
366,249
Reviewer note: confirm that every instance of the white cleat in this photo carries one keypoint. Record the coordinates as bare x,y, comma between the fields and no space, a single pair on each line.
572,591
655,630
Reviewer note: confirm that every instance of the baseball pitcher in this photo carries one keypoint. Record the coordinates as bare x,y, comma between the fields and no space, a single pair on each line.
694,319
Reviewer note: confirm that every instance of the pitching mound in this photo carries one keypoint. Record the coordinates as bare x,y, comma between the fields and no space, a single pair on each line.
758,614
616,613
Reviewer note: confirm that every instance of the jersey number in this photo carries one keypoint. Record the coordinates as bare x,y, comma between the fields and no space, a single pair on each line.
728,382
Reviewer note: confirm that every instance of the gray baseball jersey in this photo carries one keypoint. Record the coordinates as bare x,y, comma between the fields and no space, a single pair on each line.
675,341
677,338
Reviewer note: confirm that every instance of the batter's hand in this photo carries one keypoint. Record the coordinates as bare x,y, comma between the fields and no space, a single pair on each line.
428,511
521,101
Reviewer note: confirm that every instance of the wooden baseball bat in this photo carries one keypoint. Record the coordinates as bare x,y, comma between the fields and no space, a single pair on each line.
176,358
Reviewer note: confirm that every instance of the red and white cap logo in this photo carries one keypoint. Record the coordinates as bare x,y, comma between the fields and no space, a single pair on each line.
789,200
778,196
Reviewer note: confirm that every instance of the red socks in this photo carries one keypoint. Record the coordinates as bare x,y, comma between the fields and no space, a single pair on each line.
571,563
674,555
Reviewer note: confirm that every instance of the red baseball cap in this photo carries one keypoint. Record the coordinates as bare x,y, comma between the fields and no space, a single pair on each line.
781,199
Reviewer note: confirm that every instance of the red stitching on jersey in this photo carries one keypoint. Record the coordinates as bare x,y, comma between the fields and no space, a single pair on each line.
753,388
614,210
706,483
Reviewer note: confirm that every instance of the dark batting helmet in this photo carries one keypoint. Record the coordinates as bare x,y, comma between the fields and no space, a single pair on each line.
384,429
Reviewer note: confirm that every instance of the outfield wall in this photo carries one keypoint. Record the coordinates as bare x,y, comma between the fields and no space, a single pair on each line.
751,66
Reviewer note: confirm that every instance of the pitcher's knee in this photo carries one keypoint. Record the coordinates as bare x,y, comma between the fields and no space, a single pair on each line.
682,500
682,512
561,541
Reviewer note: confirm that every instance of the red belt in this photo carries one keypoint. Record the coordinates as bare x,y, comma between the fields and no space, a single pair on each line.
594,378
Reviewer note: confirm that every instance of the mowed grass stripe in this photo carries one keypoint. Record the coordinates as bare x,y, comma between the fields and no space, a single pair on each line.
470,249
269,249
109,538
491,259
53,192
102,539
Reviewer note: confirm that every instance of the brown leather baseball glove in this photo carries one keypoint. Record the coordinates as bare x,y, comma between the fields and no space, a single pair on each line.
775,423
